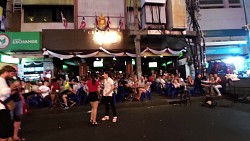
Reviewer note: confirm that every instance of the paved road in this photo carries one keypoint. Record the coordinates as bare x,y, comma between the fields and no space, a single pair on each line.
142,122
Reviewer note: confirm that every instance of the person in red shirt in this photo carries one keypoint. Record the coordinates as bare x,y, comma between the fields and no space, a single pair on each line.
55,88
93,92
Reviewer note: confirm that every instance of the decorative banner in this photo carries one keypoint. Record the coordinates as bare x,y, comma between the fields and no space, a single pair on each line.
64,21
47,52
83,23
176,52
108,23
120,23
88,55
131,54
118,54
104,50
60,55
113,54
156,51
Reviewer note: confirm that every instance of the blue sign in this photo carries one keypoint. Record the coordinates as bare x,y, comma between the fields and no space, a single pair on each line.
226,50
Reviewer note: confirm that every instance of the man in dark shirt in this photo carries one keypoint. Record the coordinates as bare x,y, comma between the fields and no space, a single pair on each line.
198,84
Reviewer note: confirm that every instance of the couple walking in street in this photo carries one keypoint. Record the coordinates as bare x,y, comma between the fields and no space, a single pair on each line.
93,94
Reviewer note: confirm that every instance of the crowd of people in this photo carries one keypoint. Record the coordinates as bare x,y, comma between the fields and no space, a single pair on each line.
202,86
102,86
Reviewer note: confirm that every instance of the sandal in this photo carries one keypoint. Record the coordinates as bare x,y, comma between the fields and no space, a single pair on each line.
19,139
95,123
90,121
105,118
114,119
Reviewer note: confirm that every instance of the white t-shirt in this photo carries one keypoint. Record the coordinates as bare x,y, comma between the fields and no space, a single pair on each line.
107,87
4,91
45,90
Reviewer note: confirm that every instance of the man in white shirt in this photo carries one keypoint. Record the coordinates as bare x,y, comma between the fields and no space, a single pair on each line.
6,123
108,96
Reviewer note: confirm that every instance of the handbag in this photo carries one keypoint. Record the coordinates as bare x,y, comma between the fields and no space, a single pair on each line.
9,104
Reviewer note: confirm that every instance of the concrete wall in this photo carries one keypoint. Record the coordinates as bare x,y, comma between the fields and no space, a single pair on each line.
40,26
91,8
222,18
247,8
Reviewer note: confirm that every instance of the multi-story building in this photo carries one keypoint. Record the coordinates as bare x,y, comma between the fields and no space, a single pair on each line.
223,23
45,16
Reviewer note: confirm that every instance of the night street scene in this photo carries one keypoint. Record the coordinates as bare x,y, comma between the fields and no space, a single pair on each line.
127,70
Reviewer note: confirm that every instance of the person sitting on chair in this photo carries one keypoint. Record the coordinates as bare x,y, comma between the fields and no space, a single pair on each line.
217,84
190,81
128,91
198,83
211,81
66,95
44,92
178,86
55,88
144,89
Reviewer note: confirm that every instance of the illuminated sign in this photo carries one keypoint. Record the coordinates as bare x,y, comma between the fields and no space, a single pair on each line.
9,59
106,37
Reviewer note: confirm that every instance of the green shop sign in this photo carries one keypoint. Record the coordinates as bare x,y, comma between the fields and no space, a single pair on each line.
20,41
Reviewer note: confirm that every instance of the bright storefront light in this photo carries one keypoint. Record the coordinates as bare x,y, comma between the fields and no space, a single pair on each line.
234,60
237,61
106,37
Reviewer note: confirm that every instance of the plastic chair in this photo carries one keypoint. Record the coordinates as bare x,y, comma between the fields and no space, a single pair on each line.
114,98
197,88
146,95
173,91
82,96
120,93
159,88
167,88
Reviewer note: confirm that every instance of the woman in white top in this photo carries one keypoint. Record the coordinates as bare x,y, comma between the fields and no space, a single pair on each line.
108,96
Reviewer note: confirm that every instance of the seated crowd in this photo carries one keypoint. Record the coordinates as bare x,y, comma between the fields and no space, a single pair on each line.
68,91
170,83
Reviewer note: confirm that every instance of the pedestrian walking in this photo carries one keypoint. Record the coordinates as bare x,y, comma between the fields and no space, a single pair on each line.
17,112
108,97
93,92
6,123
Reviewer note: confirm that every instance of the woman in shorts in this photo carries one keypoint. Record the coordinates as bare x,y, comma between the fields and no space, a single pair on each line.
93,92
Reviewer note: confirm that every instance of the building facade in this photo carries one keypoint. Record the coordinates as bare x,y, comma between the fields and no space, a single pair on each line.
223,24
221,21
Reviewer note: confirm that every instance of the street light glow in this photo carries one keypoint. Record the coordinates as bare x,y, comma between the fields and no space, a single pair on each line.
106,37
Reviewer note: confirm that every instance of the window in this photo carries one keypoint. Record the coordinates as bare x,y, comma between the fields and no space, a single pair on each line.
211,2
234,1
152,64
48,13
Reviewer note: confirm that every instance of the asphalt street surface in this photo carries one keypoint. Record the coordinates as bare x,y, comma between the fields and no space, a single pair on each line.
154,120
